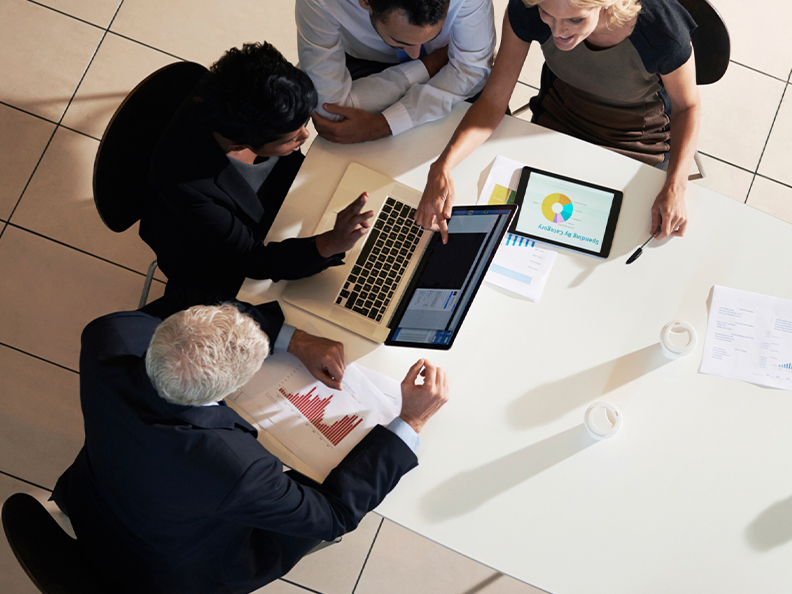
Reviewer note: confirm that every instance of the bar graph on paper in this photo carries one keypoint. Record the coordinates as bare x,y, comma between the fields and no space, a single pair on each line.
313,406
317,424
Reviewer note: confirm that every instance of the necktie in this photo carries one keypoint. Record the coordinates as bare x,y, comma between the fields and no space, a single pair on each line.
403,57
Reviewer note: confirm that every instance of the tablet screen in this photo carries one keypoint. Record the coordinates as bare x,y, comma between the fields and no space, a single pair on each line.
567,212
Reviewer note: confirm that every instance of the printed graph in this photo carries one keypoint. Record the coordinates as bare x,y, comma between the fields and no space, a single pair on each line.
316,424
313,406
786,366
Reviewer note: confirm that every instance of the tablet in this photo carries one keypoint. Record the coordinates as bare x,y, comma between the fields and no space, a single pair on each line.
567,212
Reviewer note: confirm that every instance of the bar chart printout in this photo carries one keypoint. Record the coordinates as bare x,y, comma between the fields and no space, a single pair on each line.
313,406
317,424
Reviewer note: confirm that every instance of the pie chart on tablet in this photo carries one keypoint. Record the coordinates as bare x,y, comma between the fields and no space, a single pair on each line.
557,208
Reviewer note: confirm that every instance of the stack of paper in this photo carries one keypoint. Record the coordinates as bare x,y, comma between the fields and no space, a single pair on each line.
520,265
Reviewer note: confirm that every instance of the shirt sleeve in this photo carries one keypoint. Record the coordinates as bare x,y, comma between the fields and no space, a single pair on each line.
526,22
322,57
662,36
284,338
406,433
470,52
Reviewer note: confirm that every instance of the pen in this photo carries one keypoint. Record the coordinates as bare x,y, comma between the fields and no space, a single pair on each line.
639,251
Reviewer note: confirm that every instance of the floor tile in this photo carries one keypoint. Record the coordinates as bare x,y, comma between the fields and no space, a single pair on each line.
531,73
759,34
335,569
532,69
44,55
727,179
771,197
119,65
41,426
520,97
401,561
98,12
778,152
738,113
21,144
51,292
12,577
201,30
59,204
280,587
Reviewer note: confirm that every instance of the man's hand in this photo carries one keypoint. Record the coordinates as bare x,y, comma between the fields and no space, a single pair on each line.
434,209
350,226
421,401
357,125
324,358
435,61
669,212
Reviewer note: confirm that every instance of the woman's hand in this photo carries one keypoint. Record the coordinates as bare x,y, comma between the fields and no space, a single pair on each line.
435,208
669,212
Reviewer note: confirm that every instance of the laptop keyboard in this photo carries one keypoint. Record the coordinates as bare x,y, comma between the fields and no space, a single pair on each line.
390,244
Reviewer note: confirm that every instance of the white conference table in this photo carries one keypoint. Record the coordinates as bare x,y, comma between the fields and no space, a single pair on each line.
693,494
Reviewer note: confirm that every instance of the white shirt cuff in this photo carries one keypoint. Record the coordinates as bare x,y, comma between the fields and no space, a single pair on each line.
284,338
406,433
398,119
415,71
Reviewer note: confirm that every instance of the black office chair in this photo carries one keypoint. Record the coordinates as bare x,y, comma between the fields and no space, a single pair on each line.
50,557
710,41
712,49
121,168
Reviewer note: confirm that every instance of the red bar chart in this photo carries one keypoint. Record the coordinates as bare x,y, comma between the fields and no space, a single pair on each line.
313,407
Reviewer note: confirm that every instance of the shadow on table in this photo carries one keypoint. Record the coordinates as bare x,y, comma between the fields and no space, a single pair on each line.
552,400
470,489
772,528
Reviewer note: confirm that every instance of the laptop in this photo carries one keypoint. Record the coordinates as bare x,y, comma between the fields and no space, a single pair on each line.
400,284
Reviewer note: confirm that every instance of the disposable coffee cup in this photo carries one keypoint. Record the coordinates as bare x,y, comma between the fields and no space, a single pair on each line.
677,339
602,420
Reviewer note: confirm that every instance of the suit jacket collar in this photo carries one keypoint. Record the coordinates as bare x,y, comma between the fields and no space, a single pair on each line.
233,184
212,417
187,153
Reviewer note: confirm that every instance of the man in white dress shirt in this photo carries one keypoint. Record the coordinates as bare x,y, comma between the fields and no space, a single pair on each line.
382,67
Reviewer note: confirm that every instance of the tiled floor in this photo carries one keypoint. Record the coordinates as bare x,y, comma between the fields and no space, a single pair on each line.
67,64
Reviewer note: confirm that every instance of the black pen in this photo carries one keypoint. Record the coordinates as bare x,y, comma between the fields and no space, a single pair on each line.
639,251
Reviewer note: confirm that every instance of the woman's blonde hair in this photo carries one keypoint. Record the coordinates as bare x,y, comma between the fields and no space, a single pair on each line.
203,354
620,11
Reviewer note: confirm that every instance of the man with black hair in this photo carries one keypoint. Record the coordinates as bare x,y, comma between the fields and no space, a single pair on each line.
222,169
382,67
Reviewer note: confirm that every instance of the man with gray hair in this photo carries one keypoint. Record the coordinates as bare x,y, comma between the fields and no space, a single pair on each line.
172,492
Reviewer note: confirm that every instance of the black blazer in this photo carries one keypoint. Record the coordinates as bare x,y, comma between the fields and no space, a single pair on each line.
205,222
168,498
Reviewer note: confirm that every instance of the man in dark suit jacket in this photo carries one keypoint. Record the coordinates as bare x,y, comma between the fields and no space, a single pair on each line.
172,492
222,169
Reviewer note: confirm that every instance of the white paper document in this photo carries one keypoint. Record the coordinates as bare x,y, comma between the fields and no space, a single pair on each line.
749,337
317,424
520,265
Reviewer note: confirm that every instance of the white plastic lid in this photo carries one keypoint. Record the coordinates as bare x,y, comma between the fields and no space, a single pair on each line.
603,420
670,338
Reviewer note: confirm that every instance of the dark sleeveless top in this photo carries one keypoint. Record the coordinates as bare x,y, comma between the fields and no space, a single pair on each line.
614,96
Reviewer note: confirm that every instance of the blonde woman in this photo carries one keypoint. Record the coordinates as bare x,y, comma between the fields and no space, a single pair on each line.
618,73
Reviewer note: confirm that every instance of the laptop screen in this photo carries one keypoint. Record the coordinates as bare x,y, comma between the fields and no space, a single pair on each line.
448,276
